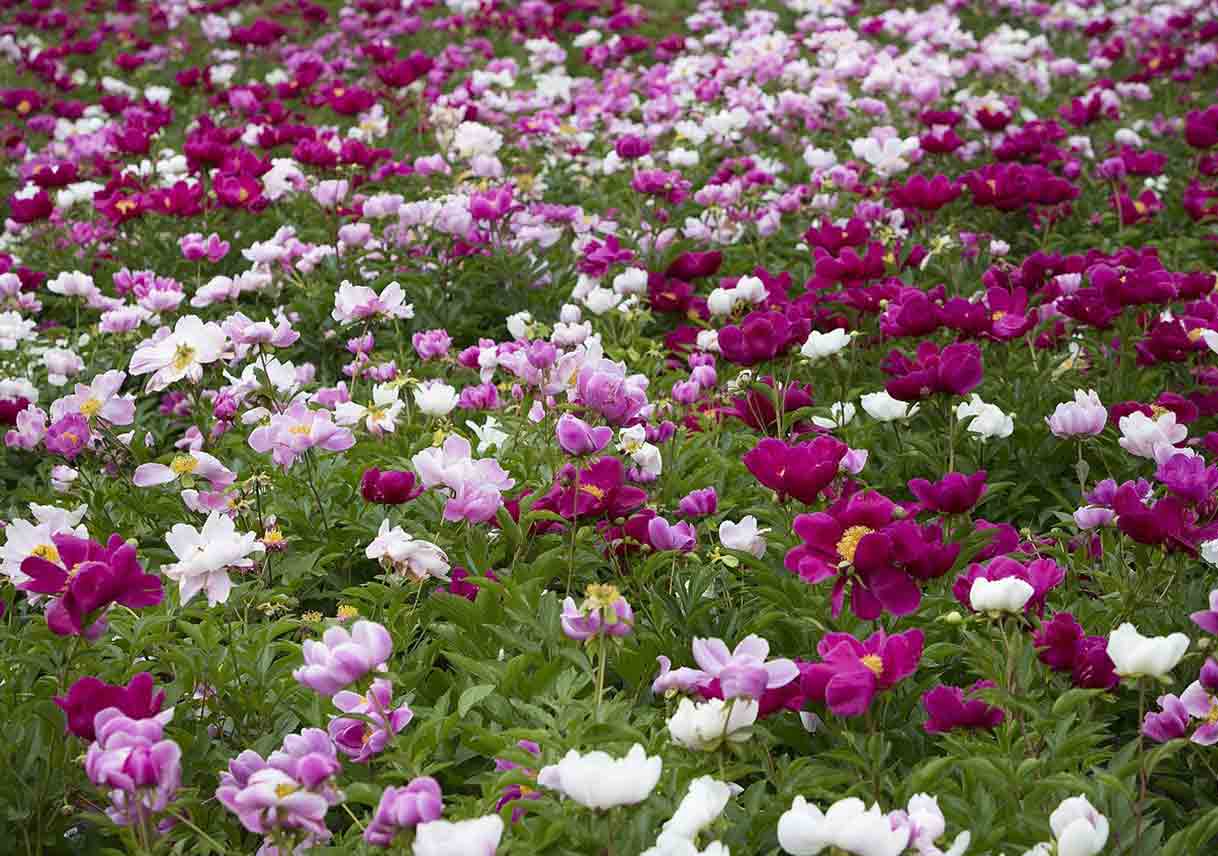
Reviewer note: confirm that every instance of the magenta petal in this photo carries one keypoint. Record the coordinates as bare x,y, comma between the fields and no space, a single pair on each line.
850,693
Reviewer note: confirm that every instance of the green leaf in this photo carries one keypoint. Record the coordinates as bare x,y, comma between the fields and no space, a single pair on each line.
471,697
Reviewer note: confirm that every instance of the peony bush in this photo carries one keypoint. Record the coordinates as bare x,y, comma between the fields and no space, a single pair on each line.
664,428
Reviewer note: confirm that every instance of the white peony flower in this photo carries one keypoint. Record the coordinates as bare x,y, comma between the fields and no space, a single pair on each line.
849,825
599,781
1134,655
705,726
822,345
477,837
994,596
744,536
882,407
1080,830
205,555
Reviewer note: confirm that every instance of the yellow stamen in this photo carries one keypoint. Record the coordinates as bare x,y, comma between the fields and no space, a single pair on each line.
183,465
90,408
183,357
285,790
874,663
46,551
848,545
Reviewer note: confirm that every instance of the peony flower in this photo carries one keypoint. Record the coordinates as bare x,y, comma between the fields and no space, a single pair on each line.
1086,416
133,761
743,671
852,673
1207,619
577,437
182,353
1080,830
884,408
89,696
705,726
744,536
987,421
1146,437
1009,594
435,398
603,613
421,801
948,709
804,830
84,578
362,738
477,837
193,464
701,805
341,658
205,555
822,345
598,781
1135,656
399,551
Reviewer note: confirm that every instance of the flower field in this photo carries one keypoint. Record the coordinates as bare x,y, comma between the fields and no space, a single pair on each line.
587,427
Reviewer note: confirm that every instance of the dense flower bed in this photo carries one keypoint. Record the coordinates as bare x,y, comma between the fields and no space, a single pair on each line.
588,427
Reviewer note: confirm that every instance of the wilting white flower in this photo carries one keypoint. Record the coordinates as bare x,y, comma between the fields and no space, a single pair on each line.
600,781
705,726
1134,655
402,552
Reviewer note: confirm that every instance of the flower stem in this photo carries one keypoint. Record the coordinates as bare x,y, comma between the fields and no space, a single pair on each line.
600,675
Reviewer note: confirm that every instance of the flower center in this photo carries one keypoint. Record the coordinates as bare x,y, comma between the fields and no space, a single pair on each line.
593,491
285,790
1156,411
849,543
1212,717
874,663
299,429
46,551
183,357
998,315
90,408
183,465
602,596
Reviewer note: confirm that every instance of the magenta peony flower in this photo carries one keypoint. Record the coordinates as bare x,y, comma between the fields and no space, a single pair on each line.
949,708
955,493
83,579
388,487
956,370
853,672
89,696
800,470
